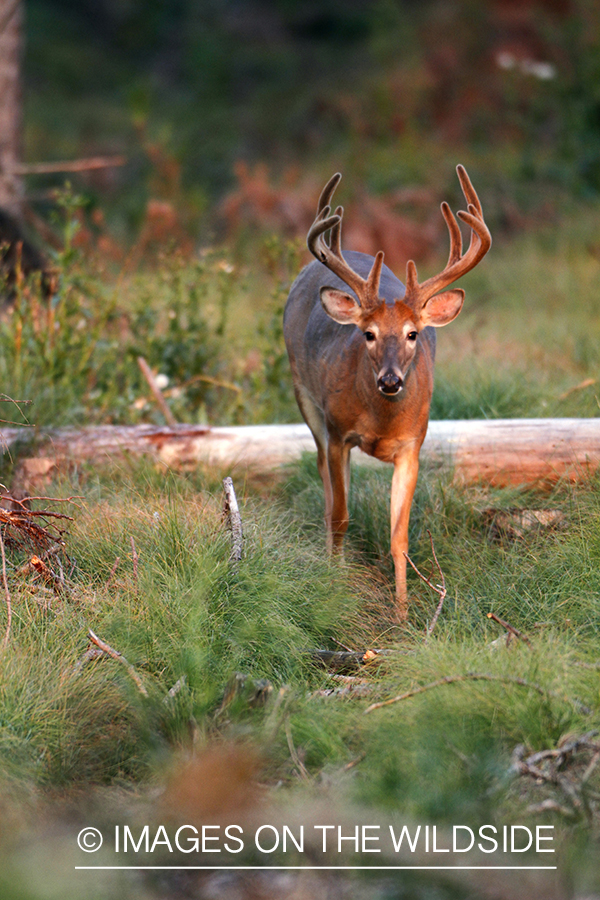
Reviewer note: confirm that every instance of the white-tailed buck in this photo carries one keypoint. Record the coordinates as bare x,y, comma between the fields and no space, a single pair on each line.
362,360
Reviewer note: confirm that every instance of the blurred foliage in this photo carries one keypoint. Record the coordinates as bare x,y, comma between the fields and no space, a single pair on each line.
210,327
386,87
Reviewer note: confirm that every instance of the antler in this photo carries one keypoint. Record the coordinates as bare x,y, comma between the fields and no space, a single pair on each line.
366,289
458,264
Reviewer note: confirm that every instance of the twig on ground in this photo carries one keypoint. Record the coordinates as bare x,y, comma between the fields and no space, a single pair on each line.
354,762
474,676
135,557
23,504
587,382
343,646
173,691
509,628
550,805
114,654
37,529
208,379
439,589
56,582
590,769
232,511
156,392
559,768
90,655
6,594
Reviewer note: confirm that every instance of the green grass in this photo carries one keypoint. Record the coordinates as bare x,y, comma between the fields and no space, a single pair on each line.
190,613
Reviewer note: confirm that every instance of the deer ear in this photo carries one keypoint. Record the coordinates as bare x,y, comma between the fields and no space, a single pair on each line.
443,308
341,307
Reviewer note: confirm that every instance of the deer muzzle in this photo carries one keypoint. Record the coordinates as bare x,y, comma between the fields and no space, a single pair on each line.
390,383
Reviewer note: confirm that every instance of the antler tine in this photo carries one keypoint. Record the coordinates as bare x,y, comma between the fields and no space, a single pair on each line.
374,275
479,234
459,263
366,289
336,233
468,189
328,191
455,235
314,239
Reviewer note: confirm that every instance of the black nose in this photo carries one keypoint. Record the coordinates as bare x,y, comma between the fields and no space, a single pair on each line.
390,383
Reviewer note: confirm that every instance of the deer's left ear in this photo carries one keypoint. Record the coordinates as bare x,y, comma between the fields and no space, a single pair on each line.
443,308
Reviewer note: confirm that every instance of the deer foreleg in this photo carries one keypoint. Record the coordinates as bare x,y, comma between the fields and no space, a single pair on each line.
337,463
404,480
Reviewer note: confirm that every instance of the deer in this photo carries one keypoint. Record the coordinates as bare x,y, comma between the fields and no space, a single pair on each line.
361,347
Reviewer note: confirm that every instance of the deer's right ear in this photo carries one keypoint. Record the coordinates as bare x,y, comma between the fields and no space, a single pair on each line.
341,307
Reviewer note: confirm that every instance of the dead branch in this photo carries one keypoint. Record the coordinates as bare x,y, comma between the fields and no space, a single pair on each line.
40,568
587,382
208,379
439,589
590,769
565,768
559,753
20,528
30,499
114,654
467,676
172,692
6,594
90,655
550,805
509,628
156,392
353,762
73,165
342,645
234,520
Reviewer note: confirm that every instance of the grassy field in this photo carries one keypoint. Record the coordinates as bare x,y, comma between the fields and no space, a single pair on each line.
80,743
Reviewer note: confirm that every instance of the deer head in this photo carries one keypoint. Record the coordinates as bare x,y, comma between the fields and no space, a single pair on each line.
391,329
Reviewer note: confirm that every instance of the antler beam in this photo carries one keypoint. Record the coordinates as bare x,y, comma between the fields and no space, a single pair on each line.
458,263
366,289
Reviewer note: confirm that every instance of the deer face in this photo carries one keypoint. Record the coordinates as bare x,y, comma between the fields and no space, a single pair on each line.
390,330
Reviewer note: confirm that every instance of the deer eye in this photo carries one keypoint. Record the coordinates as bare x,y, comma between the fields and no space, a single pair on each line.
369,336
411,336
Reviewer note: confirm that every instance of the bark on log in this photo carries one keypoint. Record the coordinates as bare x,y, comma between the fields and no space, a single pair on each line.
496,451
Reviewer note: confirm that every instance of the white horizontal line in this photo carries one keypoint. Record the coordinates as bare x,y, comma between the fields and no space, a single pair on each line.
319,868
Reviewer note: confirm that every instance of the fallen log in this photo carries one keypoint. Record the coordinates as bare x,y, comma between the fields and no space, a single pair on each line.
496,451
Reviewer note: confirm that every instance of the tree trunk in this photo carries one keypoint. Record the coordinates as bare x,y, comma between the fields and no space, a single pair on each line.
11,186
496,451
